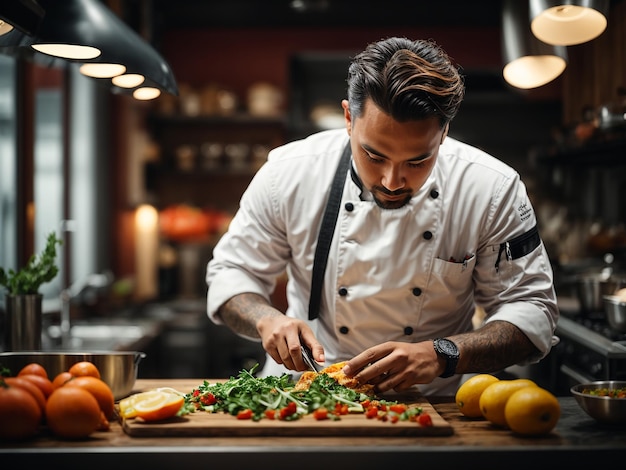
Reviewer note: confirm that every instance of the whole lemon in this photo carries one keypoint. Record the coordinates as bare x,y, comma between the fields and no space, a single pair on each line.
493,399
532,411
468,394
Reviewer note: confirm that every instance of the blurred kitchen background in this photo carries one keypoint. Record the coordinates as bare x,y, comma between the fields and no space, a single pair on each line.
140,191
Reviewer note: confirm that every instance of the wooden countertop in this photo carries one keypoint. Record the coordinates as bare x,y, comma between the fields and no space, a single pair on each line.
577,440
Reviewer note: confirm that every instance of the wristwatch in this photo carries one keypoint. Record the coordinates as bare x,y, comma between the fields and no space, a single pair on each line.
448,350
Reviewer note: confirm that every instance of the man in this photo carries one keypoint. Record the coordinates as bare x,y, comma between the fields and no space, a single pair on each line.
428,230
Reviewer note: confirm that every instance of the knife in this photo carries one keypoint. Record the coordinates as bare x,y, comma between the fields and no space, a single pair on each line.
307,356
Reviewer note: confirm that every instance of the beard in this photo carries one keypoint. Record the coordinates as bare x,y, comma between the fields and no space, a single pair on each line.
379,191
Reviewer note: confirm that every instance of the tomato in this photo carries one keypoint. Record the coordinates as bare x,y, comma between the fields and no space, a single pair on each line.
20,413
424,419
288,410
33,368
43,383
398,408
83,368
30,387
72,413
270,414
245,414
208,399
99,389
320,414
371,412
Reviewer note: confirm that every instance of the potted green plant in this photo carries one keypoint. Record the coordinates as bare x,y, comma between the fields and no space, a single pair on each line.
23,301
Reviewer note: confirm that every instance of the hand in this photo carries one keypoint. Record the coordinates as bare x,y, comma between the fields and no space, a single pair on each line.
395,365
282,336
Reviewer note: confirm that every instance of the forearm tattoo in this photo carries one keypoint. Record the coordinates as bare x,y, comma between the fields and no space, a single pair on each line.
494,347
242,312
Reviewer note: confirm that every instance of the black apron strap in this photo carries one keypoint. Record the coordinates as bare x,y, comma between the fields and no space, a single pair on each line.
327,230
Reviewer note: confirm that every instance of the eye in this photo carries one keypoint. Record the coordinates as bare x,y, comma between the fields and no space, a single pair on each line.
372,158
420,164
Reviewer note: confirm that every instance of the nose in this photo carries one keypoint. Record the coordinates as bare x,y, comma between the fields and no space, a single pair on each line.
392,178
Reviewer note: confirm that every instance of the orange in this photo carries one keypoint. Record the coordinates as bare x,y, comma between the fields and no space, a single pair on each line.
33,368
153,405
493,399
61,378
72,413
20,413
99,389
532,411
468,394
83,368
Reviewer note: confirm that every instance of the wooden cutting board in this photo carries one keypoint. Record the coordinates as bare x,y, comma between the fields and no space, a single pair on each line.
202,423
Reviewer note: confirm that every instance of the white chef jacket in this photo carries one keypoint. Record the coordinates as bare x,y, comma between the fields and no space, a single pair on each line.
408,274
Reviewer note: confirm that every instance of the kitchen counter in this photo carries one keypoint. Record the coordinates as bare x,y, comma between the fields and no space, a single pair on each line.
576,441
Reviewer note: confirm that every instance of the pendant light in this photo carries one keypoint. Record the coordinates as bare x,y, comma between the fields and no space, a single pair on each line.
568,22
23,15
529,63
88,33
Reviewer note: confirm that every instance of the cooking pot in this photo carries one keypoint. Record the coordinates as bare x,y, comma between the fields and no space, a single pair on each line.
118,369
590,289
615,308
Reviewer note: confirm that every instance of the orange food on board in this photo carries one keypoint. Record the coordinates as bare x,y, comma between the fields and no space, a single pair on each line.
84,368
99,389
152,405
44,383
61,379
33,368
20,413
73,413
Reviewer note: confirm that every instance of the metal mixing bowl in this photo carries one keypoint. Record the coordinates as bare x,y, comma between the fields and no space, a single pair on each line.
615,309
590,288
118,369
603,409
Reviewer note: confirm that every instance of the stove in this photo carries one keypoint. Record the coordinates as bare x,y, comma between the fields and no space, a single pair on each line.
589,350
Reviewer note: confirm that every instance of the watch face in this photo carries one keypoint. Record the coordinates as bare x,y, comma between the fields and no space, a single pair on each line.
447,347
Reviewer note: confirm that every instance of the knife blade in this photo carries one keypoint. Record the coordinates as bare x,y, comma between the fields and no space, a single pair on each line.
307,356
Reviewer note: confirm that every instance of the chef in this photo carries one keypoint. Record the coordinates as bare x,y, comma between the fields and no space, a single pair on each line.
392,234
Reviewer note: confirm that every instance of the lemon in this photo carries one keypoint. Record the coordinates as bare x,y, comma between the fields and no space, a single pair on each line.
493,399
127,405
532,411
468,394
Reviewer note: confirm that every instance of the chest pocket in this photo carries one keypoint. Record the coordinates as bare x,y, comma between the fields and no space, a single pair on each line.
452,277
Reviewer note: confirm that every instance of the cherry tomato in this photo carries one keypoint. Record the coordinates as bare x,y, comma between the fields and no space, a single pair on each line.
320,414
245,414
424,419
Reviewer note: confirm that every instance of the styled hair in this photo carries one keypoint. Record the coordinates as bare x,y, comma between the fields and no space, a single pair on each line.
409,80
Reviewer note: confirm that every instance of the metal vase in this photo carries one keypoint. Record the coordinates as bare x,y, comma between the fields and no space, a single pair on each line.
23,317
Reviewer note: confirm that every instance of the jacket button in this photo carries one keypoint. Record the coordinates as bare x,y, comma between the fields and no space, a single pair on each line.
343,291
408,331
427,235
434,194
349,206
417,291
344,330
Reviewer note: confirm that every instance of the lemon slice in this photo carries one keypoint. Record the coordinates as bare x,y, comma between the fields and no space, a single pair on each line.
127,405
152,405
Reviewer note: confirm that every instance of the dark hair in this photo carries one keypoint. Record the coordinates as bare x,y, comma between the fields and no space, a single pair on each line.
409,80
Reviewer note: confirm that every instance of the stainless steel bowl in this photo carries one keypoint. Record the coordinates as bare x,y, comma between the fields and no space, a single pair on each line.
118,369
603,409
615,309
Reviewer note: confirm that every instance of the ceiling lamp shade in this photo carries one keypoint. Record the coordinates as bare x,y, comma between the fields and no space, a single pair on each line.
568,22
528,62
23,15
87,32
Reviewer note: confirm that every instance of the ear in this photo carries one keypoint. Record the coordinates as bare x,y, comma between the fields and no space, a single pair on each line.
346,114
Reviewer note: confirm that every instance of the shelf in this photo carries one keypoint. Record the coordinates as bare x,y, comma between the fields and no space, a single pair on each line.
237,119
